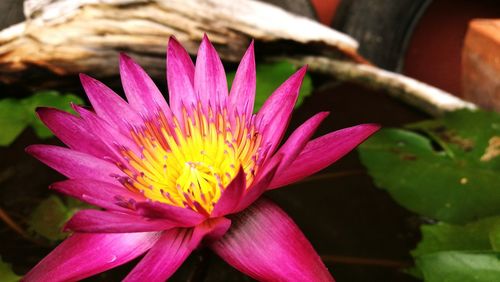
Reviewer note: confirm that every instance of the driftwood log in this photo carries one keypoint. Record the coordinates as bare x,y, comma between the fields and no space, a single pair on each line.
432,100
70,36
66,37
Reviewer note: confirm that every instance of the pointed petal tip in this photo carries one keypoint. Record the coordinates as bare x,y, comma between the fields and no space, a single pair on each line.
124,56
173,44
37,149
302,71
251,47
250,53
86,80
295,80
32,149
40,111
323,114
57,186
125,61
44,113
371,127
83,76
205,41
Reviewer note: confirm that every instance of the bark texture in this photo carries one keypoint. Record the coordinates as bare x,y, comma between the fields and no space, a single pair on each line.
66,37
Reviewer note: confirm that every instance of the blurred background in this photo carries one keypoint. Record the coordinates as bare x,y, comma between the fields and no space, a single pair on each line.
391,211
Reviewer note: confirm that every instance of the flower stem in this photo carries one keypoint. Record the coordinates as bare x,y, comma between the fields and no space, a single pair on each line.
4,216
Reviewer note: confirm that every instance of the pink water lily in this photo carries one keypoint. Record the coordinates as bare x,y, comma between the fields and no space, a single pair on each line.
170,178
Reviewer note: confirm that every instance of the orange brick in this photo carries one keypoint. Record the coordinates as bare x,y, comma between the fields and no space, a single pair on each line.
481,63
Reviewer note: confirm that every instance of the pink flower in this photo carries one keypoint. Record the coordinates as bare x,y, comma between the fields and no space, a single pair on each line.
172,177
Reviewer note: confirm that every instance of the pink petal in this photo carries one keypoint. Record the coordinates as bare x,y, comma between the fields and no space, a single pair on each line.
142,93
97,221
109,106
84,255
242,93
183,217
209,77
298,140
72,131
76,165
260,184
98,193
231,196
171,250
274,116
264,243
323,151
180,77
109,135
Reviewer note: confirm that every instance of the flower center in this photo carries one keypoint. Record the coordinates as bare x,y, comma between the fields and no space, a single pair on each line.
190,163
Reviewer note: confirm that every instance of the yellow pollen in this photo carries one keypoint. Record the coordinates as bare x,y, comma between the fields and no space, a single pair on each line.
189,162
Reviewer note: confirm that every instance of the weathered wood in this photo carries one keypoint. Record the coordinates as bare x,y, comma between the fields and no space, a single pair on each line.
427,98
11,12
70,36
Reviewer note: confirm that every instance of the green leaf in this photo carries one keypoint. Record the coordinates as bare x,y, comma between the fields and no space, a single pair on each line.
13,120
466,135
48,218
16,115
270,76
48,99
456,184
6,273
495,237
475,236
457,266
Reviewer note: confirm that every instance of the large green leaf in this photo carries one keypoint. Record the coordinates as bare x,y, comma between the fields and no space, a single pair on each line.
16,115
475,236
6,273
270,76
460,266
457,183
467,136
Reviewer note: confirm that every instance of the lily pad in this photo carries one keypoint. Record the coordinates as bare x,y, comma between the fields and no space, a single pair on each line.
481,235
16,115
439,169
459,266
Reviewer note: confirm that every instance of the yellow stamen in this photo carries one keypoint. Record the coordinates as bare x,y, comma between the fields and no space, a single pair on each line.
190,166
